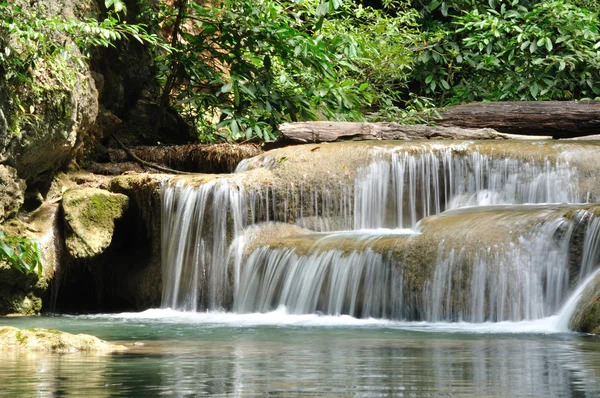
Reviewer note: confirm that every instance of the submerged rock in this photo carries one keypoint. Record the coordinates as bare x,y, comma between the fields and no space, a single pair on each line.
90,215
51,340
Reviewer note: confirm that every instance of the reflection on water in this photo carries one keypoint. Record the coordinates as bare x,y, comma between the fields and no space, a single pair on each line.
185,359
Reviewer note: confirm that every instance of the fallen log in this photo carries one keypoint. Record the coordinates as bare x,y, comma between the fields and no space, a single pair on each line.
313,132
595,137
559,119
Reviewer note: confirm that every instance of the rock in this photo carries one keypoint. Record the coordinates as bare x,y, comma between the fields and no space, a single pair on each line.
144,286
90,215
50,340
62,105
314,132
22,294
560,119
12,191
587,316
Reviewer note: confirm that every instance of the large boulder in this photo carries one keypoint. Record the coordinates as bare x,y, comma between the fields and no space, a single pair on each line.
51,340
90,215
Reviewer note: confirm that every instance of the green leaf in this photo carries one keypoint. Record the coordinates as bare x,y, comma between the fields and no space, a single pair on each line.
534,89
444,9
227,87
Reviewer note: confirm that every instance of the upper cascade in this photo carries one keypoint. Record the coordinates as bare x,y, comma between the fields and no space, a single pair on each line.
356,186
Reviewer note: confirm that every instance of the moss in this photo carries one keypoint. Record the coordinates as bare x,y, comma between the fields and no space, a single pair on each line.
90,215
50,340
21,337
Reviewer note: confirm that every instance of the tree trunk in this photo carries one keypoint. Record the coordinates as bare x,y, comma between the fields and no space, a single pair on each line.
559,119
312,132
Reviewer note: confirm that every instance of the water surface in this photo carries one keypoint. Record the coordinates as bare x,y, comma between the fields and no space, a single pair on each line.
277,354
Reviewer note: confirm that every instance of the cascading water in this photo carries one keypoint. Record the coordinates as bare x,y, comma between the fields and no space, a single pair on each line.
196,223
209,264
522,280
399,187
428,183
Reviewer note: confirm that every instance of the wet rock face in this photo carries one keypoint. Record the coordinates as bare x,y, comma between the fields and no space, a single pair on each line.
12,189
90,215
50,340
587,317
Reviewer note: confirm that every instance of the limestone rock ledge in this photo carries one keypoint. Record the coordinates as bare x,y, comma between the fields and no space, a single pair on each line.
50,340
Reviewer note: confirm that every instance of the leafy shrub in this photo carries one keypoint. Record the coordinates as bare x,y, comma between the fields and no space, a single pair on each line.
21,254
510,52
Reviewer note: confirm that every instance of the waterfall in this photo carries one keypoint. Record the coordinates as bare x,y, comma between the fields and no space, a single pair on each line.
196,225
398,193
398,188
358,284
208,263
523,280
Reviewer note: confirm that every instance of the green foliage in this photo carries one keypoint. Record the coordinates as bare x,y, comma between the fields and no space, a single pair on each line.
591,5
246,66
510,52
21,254
382,45
236,69
118,5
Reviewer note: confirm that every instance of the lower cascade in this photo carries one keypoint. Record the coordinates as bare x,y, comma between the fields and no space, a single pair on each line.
424,235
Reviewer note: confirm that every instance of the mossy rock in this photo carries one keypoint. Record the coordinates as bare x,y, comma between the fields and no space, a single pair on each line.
51,340
587,316
21,294
90,215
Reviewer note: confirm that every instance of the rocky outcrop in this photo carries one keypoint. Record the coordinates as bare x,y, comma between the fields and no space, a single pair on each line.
196,158
90,216
143,276
51,340
61,110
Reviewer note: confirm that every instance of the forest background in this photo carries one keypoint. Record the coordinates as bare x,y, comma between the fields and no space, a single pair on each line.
233,70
